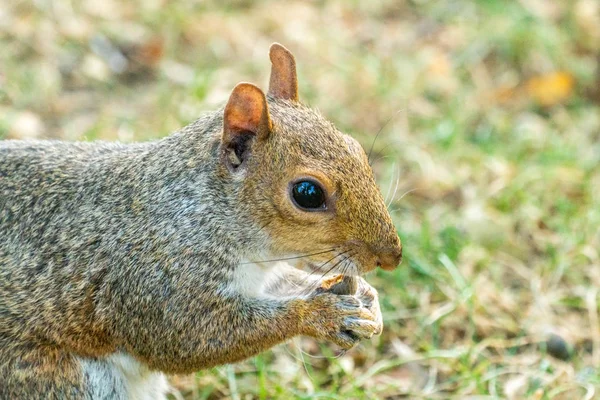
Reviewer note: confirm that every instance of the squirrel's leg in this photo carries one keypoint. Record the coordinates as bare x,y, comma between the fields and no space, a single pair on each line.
31,371
239,326
266,322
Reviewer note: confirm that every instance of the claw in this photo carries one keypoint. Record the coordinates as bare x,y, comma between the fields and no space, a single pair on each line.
346,340
361,328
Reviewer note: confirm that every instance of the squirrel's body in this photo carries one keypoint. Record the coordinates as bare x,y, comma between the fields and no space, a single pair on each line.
62,237
118,261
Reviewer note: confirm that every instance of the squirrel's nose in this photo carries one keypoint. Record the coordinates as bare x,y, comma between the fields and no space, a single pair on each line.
389,258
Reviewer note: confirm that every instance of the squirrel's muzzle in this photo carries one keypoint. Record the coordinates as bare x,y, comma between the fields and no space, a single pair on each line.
388,258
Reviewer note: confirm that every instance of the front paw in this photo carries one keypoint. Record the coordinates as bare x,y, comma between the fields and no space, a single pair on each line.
357,286
341,319
370,299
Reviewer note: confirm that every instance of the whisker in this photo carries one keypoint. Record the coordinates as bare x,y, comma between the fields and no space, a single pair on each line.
331,269
318,269
317,282
391,142
301,358
379,132
387,195
347,268
393,210
407,192
334,265
395,190
342,268
322,357
290,258
351,269
328,261
382,158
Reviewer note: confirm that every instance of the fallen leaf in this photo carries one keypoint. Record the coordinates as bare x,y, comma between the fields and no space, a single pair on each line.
550,89
150,53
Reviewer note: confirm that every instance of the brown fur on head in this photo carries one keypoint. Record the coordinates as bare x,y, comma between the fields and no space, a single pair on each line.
279,142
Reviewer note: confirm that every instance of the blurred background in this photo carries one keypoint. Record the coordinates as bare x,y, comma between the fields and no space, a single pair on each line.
488,155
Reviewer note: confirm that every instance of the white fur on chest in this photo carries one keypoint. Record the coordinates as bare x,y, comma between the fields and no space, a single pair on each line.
251,279
140,382
122,376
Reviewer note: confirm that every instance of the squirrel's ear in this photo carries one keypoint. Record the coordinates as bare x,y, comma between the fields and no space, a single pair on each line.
246,117
284,82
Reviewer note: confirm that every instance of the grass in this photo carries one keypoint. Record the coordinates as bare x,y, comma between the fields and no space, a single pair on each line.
489,119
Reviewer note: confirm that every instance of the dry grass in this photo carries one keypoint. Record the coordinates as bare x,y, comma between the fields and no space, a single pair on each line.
489,150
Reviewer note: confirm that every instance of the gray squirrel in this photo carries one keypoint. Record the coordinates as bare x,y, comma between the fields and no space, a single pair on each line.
120,263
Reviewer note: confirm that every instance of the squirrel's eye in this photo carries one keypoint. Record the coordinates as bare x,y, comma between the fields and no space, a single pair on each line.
308,195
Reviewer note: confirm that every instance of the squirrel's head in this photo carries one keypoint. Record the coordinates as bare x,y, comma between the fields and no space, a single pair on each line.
305,184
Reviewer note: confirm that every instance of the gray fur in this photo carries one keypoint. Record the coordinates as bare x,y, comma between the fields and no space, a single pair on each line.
108,248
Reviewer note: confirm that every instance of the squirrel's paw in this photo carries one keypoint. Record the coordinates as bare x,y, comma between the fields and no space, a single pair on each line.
341,319
370,300
361,289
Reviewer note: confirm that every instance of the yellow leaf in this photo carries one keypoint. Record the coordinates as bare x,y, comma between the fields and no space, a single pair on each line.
550,89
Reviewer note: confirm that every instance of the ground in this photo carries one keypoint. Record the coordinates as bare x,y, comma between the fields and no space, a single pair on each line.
488,153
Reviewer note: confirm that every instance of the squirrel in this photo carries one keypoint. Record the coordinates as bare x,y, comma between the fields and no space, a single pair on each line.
120,263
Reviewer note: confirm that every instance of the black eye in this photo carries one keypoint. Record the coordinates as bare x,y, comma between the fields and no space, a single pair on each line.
308,195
